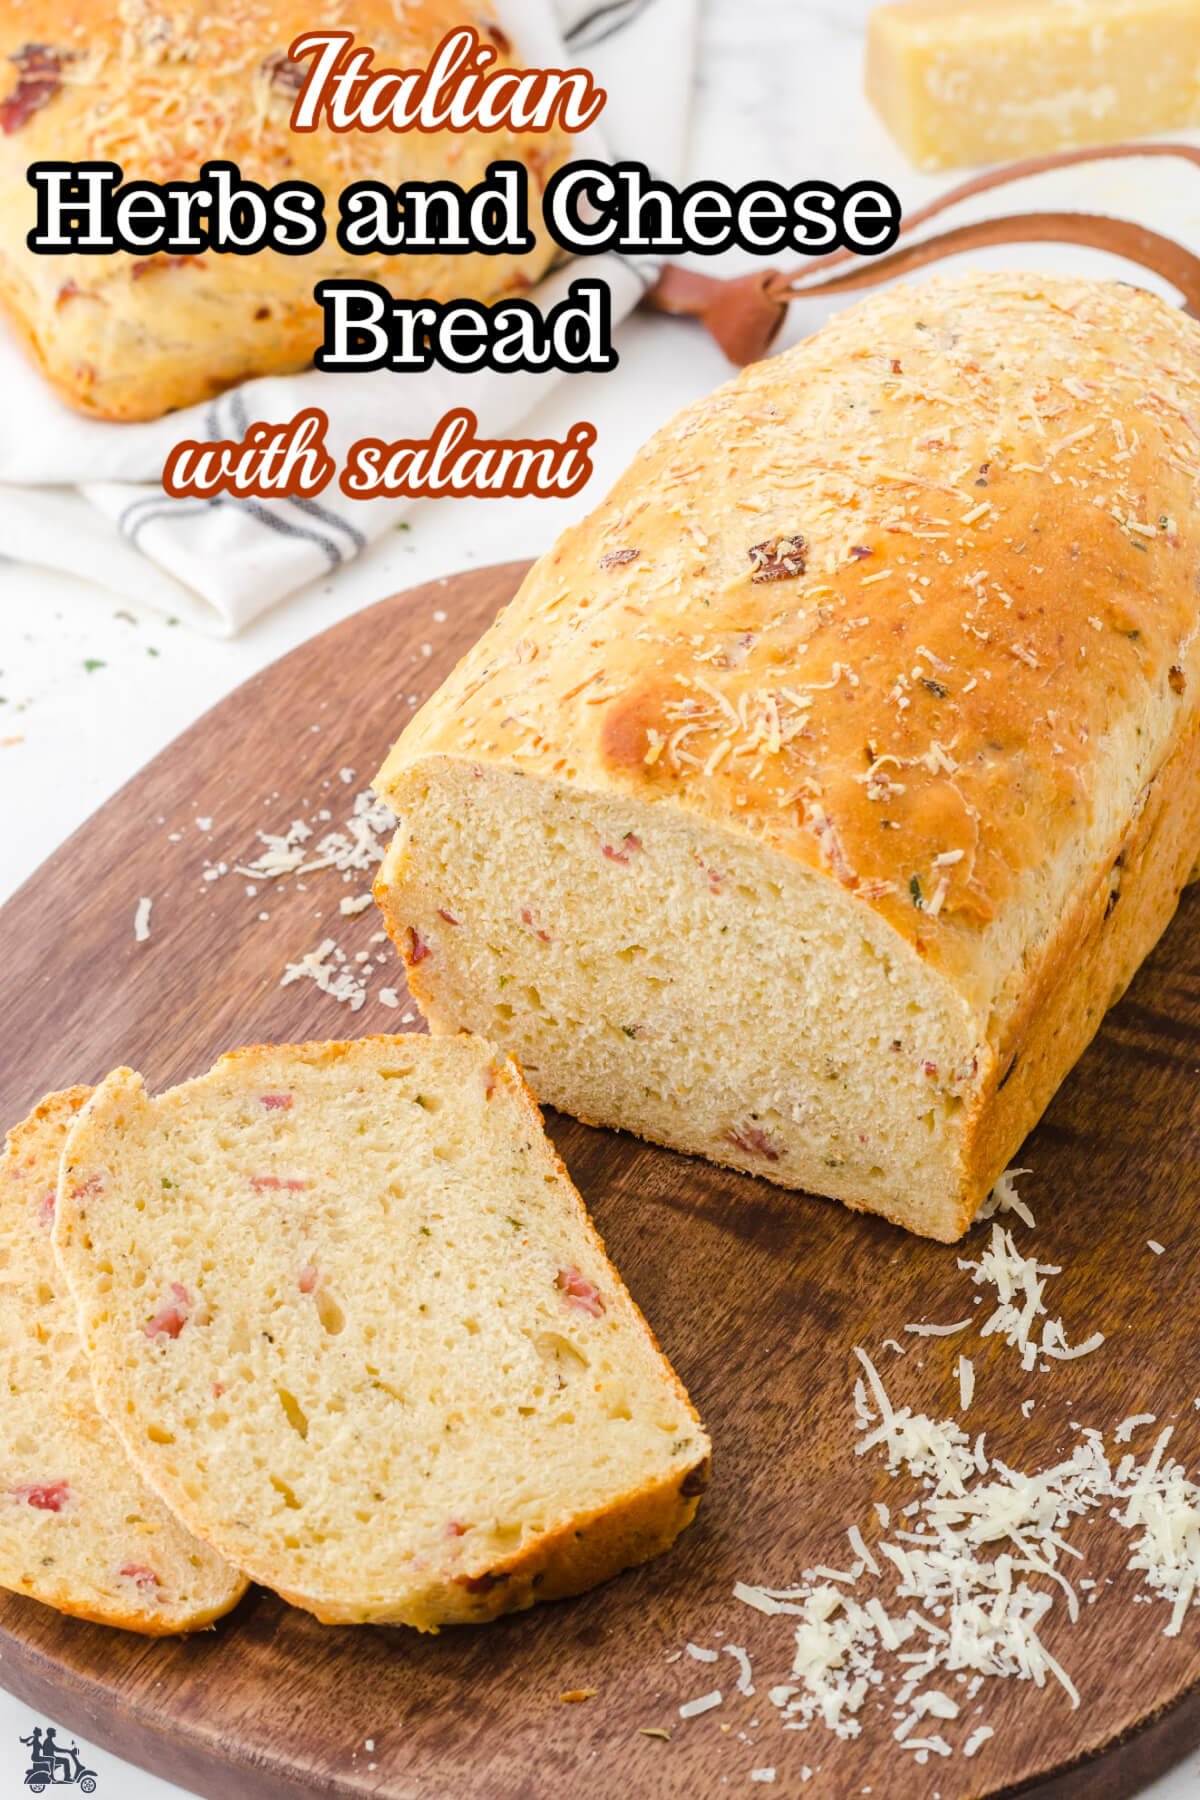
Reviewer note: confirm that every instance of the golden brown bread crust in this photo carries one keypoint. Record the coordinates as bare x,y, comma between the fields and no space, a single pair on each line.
565,1561
641,652
1096,952
914,605
159,86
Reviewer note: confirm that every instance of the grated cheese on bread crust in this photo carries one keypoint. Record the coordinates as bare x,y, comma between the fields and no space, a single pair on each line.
350,1319
78,1529
817,794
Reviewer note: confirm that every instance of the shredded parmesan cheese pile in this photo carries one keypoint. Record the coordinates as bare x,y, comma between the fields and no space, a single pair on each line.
969,1580
953,1584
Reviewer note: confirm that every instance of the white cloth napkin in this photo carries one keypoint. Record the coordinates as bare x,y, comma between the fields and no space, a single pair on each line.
84,496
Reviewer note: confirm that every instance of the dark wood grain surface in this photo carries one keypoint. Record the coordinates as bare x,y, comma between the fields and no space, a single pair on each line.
757,1296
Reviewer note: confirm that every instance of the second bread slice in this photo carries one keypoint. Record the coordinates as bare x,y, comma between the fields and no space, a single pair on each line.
349,1317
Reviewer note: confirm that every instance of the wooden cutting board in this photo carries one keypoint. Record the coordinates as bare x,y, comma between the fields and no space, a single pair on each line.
757,1296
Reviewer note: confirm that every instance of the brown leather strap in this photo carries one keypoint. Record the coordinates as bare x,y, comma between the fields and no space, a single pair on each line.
744,314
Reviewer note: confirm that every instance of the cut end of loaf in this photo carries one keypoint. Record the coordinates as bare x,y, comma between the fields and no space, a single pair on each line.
685,985
78,1530
350,1319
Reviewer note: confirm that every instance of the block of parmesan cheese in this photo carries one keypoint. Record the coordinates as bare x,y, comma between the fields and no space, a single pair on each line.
979,81
817,793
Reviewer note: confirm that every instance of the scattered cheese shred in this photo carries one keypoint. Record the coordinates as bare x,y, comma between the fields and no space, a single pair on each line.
745,1682
763,1600
691,1709
141,920
966,1382
1005,1198
859,1546
1127,1427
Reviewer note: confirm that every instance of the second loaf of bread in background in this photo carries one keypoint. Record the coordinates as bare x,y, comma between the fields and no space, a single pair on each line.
159,92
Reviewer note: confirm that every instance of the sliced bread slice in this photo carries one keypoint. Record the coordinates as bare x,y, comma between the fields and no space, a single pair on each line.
350,1318
78,1528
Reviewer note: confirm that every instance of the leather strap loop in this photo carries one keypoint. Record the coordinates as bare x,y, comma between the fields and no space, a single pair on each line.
744,313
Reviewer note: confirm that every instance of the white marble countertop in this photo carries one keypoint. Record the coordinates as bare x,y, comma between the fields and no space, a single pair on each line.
90,687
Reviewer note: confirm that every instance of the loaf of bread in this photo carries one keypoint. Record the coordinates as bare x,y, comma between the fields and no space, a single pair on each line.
159,89
817,793
78,1529
348,1315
